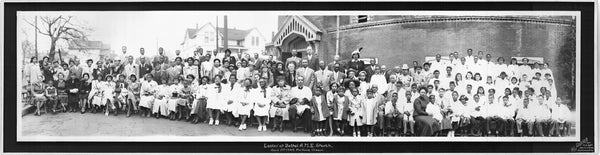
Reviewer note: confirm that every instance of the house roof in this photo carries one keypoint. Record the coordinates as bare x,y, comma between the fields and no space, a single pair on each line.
87,44
235,34
232,34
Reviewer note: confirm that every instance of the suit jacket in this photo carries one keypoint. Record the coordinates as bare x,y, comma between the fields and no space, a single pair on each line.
308,75
325,77
370,71
339,78
313,62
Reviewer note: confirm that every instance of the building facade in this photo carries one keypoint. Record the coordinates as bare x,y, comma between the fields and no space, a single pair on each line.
246,41
87,49
396,40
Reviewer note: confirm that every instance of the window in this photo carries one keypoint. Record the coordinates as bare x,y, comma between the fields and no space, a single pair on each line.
212,36
206,37
362,18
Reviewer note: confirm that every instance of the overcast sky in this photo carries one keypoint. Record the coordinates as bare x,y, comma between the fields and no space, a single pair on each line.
136,29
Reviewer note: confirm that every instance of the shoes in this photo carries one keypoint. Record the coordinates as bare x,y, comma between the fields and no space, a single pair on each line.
353,134
244,125
240,128
211,122
358,134
264,128
260,128
217,122
106,113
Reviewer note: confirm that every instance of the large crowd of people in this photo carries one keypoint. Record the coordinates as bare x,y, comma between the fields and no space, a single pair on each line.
459,96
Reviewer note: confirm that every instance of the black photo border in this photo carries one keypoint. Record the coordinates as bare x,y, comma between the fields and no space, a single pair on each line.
587,122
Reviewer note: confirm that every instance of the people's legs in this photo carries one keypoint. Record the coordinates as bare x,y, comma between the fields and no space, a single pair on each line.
293,114
243,121
487,130
530,125
306,121
510,126
539,128
389,119
217,116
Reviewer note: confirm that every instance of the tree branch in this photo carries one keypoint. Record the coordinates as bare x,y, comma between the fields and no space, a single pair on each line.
36,28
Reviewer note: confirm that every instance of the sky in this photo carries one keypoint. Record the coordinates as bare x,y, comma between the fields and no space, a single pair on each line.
148,29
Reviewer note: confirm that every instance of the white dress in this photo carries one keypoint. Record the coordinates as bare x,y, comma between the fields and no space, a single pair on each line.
96,96
147,94
172,101
370,117
160,102
214,98
319,104
245,96
230,95
356,107
262,98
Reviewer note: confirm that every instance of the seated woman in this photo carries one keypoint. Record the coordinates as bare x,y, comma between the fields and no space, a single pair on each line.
425,125
280,97
246,102
148,89
38,90
109,95
134,94
61,88
160,106
85,86
263,102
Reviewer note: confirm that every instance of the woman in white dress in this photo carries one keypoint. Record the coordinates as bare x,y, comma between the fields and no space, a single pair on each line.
262,104
96,96
201,95
229,91
215,102
246,102
109,95
160,106
147,94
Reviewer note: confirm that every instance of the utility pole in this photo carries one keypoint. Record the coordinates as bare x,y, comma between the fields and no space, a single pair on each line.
36,32
217,35
337,37
225,39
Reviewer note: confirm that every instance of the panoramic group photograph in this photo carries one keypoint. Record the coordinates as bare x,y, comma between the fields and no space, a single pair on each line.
228,76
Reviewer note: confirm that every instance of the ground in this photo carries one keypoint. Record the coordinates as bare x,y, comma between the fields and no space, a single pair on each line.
77,124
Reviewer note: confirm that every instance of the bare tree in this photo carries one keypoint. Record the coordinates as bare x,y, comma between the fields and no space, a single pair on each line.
60,28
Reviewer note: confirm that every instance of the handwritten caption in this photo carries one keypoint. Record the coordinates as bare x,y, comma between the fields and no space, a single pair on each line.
298,147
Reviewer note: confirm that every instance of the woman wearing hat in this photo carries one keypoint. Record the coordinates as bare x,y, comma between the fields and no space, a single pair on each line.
280,98
355,63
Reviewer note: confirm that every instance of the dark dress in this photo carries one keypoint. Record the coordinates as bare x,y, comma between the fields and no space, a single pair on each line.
290,78
357,65
84,89
72,84
425,125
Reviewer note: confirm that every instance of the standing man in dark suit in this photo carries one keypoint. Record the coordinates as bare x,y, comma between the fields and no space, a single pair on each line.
145,67
313,61
370,70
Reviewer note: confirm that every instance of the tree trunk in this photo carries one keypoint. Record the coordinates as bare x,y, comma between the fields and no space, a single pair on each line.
52,51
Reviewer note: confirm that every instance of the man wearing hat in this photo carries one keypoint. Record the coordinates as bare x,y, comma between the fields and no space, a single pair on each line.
404,76
356,64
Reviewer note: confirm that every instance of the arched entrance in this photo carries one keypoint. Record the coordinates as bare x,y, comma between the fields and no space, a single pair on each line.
296,34
294,43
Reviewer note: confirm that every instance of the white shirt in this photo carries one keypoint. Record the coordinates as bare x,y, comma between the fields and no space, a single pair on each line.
305,92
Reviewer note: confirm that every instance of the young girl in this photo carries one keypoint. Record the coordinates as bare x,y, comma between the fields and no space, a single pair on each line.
320,111
262,104
245,102
38,90
332,93
84,89
214,103
51,97
370,111
61,88
356,112
134,94
160,106
148,89
340,110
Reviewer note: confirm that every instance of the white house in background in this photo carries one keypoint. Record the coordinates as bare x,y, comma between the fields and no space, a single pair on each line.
87,49
247,41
